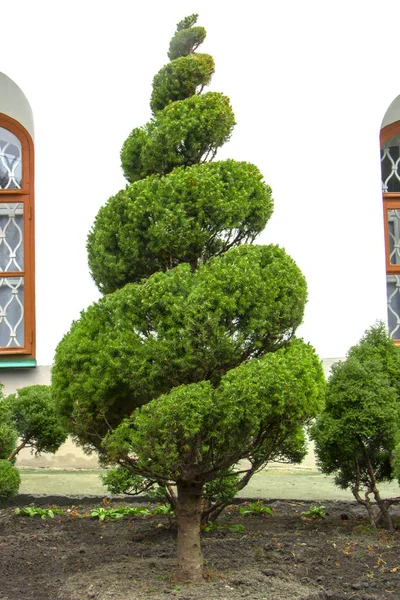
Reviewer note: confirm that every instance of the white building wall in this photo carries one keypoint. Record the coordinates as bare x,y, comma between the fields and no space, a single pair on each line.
392,113
14,103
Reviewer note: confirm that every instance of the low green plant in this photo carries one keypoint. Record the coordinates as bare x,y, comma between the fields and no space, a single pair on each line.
255,508
106,513
163,509
315,512
213,526
8,438
35,511
117,513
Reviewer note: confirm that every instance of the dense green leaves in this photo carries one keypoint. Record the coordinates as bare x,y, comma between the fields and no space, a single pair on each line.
362,411
176,327
189,215
187,22
31,411
9,480
186,41
185,133
8,437
196,430
181,79
358,430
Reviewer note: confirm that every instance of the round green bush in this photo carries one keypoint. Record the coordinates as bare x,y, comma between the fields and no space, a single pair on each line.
9,480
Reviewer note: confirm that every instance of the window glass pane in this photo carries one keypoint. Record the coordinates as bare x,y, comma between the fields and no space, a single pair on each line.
393,217
10,161
11,312
11,236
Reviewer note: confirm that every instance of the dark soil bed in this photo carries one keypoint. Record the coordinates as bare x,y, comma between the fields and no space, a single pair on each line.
281,556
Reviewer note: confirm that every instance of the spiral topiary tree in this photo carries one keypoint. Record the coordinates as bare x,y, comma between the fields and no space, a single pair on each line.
189,363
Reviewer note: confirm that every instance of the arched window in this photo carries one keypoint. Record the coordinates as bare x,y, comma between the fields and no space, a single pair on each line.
17,261
390,169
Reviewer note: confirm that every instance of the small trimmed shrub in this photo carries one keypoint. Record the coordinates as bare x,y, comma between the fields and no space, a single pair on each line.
9,480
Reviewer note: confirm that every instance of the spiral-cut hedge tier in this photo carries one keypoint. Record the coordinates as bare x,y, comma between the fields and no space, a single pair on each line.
177,327
184,133
181,79
186,41
188,216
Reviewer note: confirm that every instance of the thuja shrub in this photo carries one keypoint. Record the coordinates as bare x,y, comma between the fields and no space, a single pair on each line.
9,480
357,432
189,363
30,414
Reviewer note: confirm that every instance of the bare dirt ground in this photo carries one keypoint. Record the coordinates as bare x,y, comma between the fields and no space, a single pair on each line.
282,556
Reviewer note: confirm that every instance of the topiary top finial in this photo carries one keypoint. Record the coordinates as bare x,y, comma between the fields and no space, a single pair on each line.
187,38
187,22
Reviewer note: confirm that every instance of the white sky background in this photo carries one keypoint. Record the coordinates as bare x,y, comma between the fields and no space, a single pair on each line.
309,83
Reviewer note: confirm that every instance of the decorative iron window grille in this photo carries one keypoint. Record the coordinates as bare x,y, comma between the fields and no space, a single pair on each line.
17,265
390,170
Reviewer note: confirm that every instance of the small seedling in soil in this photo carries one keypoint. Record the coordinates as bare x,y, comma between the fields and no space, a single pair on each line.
255,508
43,513
103,513
117,513
315,512
162,509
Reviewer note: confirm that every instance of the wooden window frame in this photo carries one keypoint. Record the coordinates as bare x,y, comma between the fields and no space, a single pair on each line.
25,195
391,201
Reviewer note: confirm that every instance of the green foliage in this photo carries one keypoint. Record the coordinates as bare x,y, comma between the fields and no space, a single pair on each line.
188,216
9,480
396,463
121,481
358,430
255,508
35,511
315,512
33,413
186,41
8,432
222,488
8,438
163,509
181,79
175,328
102,513
194,427
233,528
184,133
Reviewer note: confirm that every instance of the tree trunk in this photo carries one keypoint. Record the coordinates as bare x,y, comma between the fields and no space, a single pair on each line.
188,518
17,449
